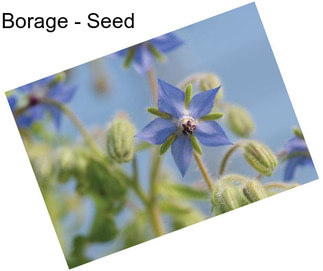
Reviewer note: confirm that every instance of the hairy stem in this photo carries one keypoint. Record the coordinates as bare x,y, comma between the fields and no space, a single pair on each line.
226,158
153,206
203,170
149,202
156,162
78,124
136,186
280,185
153,84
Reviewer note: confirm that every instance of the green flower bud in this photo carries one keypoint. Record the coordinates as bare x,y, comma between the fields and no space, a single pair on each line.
260,157
240,121
233,179
211,81
254,191
226,197
120,140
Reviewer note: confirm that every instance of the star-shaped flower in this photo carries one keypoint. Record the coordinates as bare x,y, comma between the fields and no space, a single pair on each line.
36,93
142,55
297,154
182,120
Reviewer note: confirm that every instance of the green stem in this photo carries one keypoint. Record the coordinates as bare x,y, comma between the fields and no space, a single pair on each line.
153,84
153,206
226,158
203,170
71,116
156,162
279,185
136,186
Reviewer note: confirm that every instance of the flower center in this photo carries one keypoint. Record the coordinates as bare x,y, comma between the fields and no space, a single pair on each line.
33,100
187,125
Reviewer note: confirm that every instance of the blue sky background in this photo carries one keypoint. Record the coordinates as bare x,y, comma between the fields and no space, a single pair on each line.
235,47
232,45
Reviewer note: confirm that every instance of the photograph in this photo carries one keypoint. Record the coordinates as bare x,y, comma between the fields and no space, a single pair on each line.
164,134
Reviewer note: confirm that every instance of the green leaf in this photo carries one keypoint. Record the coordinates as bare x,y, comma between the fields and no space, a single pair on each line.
103,182
180,191
78,253
182,215
174,208
137,230
104,227
212,116
169,141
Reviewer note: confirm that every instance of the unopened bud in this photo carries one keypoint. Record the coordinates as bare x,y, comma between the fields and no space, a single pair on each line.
240,121
211,81
120,140
227,197
260,157
254,191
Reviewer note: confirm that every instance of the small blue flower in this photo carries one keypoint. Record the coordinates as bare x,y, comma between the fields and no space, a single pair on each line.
142,55
296,153
12,100
37,91
182,123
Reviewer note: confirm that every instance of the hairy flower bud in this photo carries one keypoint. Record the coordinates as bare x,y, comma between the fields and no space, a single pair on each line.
240,121
120,140
226,197
260,157
211,81
254,191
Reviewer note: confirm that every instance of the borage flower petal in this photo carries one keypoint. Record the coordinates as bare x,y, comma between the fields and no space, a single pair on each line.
170,99
202,103
12,100
296,154
210,133
61,92
56,115
36,112
157,131
144,54
142,59
183,124
167,42
291,167
182,153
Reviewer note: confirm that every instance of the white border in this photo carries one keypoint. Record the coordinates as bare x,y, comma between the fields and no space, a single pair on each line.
280,233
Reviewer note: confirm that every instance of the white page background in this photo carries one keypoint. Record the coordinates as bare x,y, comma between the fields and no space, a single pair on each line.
283,232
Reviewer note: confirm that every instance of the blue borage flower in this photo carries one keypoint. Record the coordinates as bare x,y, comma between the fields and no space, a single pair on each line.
296,153
182,120
142,55
35,92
